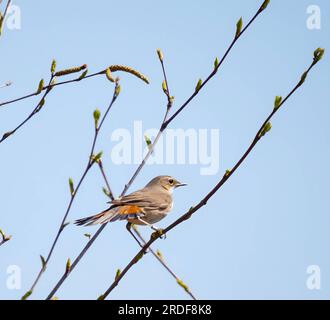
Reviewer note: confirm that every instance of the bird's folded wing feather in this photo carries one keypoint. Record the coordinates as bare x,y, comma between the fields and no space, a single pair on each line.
141,199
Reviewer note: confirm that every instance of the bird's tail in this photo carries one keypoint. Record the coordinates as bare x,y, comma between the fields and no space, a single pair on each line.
100,218
109,215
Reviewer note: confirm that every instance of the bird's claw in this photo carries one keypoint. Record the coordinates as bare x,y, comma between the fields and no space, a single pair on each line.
159,233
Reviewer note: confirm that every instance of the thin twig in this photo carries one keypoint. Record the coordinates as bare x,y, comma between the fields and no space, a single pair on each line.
4,16
160,131
90,163
4,238
213,73
53,85
167,120
82,77
165,265
164,125
105,178
39,106
203,202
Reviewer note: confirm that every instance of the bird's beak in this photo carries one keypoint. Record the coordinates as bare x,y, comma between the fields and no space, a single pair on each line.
179,184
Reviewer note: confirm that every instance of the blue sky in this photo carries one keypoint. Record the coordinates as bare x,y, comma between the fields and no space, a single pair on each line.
256,238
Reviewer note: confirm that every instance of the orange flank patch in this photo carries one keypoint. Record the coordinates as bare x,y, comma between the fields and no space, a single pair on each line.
129,209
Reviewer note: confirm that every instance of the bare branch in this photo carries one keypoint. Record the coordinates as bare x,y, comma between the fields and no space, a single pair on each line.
38,107
52,84
215,70
110,193
82,77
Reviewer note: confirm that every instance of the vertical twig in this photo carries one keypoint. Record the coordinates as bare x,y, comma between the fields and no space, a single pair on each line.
105,178
160,131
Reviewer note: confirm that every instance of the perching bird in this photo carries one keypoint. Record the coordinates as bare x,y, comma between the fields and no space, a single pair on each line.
143,207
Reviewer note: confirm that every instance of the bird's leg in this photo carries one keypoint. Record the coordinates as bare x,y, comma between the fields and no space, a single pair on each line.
152,227
148,224
128,227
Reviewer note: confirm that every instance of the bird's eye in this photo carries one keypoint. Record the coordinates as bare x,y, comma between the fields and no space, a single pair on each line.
170,181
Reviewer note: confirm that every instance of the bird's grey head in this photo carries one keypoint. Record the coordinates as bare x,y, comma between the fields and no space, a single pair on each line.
167,182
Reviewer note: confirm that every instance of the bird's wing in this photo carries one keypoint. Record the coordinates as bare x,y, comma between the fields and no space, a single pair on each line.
143,198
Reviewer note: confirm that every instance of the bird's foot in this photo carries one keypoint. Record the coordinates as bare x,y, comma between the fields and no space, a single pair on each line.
159,233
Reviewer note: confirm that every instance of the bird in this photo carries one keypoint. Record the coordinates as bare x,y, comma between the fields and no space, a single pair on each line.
143,207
